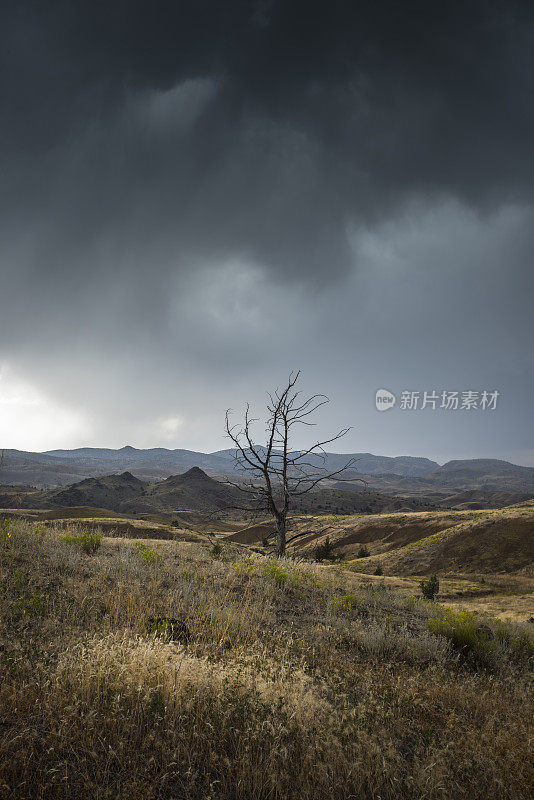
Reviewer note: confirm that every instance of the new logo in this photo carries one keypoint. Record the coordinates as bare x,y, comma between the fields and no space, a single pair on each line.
384,400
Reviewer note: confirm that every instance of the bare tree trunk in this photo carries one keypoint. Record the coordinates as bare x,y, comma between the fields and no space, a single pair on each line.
281,535
278,474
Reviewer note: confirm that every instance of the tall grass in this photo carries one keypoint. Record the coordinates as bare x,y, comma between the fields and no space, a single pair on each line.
290,687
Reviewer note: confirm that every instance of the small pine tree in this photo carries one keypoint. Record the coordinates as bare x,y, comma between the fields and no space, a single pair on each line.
430,587
216,550
324,551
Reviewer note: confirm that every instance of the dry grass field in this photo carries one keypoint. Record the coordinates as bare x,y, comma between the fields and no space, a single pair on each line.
175,669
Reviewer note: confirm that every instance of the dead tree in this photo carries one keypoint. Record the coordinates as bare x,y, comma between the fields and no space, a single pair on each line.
274,474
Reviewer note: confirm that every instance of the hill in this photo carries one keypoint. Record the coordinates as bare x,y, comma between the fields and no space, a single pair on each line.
498,542
418,543
194,490
482,473
111,492
43,471
380,532
191,491
485,476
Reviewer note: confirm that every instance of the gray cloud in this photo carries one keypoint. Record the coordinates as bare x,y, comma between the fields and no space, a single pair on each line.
199,199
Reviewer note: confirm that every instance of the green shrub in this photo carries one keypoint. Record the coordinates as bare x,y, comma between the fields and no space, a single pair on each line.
147,555
483,643
363,552
244,567
378,570
299,577
278,574
345,602
522,645
430,587
87,542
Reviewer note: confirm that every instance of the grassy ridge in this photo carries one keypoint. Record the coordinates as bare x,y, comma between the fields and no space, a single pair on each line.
194,672
489,541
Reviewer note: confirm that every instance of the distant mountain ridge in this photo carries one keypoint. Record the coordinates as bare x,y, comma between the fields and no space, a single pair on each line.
398,474
365,463
61,467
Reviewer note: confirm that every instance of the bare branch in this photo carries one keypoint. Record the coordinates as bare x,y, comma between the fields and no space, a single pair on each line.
278,473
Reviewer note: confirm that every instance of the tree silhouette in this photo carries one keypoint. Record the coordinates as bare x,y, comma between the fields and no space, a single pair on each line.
274,474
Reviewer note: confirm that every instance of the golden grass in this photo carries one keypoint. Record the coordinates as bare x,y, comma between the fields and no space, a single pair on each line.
276,688
516,607
505,597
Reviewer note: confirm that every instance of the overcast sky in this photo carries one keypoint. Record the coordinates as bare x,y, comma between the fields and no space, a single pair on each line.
197,197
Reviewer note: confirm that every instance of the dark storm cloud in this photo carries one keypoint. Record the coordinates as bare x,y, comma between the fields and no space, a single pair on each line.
186,187
375,100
